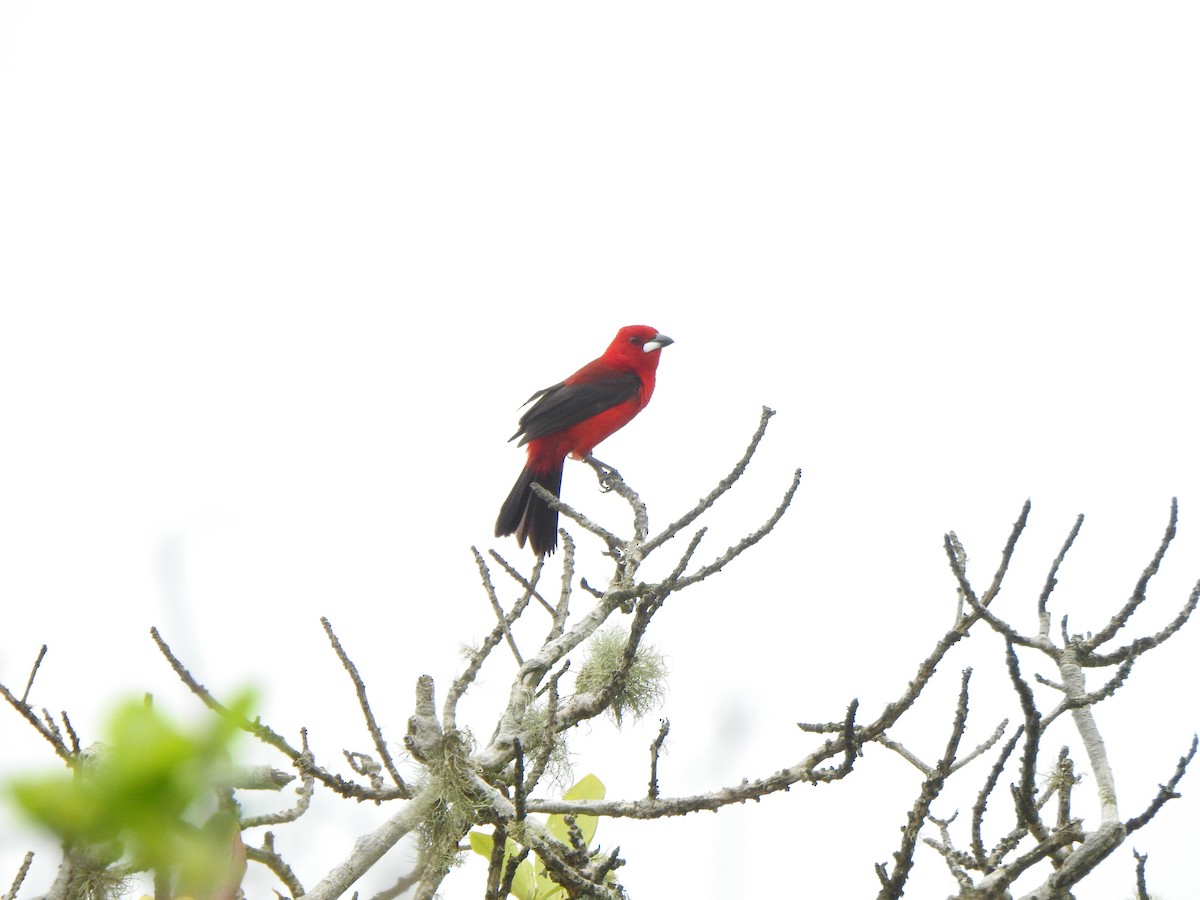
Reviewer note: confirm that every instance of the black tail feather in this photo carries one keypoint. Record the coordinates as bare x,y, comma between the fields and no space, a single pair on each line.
527,515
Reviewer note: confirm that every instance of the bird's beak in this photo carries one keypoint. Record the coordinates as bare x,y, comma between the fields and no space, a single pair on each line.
656,343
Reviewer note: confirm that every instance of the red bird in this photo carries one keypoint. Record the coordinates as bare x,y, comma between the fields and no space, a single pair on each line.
572,417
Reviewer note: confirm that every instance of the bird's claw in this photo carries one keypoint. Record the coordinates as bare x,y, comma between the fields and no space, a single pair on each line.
608,476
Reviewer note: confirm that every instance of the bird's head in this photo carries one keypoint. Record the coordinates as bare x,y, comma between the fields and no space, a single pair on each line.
638,345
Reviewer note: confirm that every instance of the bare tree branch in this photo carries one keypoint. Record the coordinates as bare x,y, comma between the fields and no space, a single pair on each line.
1117,622
1165,792
370,847
1141,645
460,684
464,786
613,542
301,760
51,734
980,807
892,887
1142,892
361,690
267,856
656,748
745,543
610,480
1052,579
33,673
527,583
11,893
486,577
304,795
722,486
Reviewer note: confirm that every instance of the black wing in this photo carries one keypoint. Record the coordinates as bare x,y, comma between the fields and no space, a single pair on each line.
564,405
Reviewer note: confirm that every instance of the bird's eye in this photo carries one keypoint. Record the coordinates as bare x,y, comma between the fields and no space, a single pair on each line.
635,340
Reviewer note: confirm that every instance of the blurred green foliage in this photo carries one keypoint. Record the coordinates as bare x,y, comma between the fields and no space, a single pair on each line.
147,795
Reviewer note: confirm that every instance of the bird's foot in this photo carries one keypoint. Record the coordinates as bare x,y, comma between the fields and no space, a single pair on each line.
607,475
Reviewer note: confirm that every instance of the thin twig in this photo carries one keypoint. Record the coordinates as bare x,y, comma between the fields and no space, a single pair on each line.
496,864
980,610
546,744
1052,579
528,583
1165,792
904,753
748,541
304,795
268,857
486,577
361,690
1139,592
33,673
1006,556
50,734
1066,780
562,610
722,486
1142,892
268,736
655,749
987,745
1141,645
893,886
957,557
459,686
613,542
980,806
400,885
1091,697
610,480
260,731
510,871
70,729
1024,792
24,870
956,861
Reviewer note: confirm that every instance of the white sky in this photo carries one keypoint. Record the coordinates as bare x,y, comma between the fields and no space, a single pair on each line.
275,277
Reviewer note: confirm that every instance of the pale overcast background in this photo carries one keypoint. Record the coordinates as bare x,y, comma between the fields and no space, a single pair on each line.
276,276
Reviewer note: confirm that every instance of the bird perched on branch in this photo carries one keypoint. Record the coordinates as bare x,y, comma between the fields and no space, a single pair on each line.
572,417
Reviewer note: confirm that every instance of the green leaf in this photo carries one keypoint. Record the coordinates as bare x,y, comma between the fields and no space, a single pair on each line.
481,843
142,791
589,787
549,889
530,883
524,885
